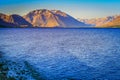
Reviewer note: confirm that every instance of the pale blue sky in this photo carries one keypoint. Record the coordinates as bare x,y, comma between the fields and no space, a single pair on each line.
75,8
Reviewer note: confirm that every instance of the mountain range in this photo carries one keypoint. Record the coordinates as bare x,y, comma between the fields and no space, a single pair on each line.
55,18
109,21
41,18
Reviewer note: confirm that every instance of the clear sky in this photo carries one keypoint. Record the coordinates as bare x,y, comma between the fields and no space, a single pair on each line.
75,8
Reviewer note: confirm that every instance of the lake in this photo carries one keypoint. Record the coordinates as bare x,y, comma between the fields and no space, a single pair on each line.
64,54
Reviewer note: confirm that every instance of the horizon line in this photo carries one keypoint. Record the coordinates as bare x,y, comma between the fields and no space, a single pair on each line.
58,10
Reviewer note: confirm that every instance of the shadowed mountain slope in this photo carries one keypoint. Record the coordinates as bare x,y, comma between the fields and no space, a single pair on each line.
52,18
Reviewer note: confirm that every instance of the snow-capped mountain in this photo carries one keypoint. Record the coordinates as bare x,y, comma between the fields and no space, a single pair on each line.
52,18
114,23
13,21
110,21
97,21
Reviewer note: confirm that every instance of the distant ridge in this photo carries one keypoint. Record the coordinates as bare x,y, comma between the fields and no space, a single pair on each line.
109,21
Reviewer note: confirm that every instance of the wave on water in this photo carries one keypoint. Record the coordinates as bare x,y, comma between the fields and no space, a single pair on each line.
11,69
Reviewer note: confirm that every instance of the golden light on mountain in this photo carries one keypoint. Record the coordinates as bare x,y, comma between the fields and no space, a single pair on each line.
51,18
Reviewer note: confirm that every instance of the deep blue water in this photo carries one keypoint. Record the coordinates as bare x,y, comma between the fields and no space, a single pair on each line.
58,54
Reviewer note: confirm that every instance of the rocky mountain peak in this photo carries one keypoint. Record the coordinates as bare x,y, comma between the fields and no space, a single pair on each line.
51,18
58,12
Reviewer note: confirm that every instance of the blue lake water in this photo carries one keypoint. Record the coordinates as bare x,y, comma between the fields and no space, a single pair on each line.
64,54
